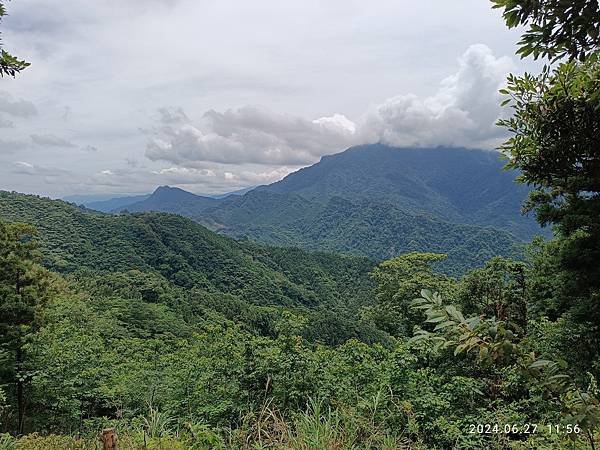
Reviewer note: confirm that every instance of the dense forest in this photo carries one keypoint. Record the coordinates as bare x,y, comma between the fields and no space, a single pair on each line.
375,201
180,338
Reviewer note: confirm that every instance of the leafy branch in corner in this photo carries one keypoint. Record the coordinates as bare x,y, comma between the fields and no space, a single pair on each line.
493,341
9,65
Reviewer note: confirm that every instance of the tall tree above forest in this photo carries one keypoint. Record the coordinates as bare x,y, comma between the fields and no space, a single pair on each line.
554,134
24,288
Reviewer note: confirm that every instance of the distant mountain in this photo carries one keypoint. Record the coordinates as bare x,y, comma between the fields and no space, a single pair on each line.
88,198
459,185
114,203
106,203
173,200
376,201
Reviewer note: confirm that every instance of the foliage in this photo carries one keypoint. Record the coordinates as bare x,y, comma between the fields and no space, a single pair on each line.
24,288
9,64
554,135
556,28
493,342
173,258
499,289
180,338
184,367
398,281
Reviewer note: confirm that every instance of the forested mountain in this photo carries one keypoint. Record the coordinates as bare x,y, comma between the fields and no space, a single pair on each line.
376,229
173,200
378,202
459,185
187,255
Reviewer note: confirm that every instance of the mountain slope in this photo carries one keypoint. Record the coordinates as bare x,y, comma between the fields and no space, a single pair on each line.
375,229
458,185
187,254
114,203
377,201
173,200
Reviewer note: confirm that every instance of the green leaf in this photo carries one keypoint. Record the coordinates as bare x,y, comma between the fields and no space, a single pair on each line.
540,363
444,325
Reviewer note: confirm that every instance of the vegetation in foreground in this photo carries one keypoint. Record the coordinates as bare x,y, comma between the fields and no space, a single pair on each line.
481,362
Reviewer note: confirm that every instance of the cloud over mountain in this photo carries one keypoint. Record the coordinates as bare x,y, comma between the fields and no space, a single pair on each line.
462,112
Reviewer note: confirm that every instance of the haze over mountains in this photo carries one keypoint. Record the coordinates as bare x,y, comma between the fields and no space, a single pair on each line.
375,201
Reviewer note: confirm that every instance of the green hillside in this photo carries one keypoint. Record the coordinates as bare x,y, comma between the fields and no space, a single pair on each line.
187,256
375,229
459,185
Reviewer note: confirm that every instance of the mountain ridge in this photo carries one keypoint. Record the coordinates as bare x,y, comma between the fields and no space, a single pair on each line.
376,201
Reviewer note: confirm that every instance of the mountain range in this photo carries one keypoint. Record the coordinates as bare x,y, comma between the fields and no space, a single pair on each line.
376,201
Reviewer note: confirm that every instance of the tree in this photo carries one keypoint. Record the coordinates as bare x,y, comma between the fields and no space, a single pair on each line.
491,342
9,64
496,290
555,130
556,28
24,288
399,280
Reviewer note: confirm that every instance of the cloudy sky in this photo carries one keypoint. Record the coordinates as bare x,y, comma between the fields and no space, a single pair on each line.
217,95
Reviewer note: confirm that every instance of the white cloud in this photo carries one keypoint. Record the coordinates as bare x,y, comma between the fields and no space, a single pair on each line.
25,168
248,134
169,116
463,111
247,178
337,122
184,175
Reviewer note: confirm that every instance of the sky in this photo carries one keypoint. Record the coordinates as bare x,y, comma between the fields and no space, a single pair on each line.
216,95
